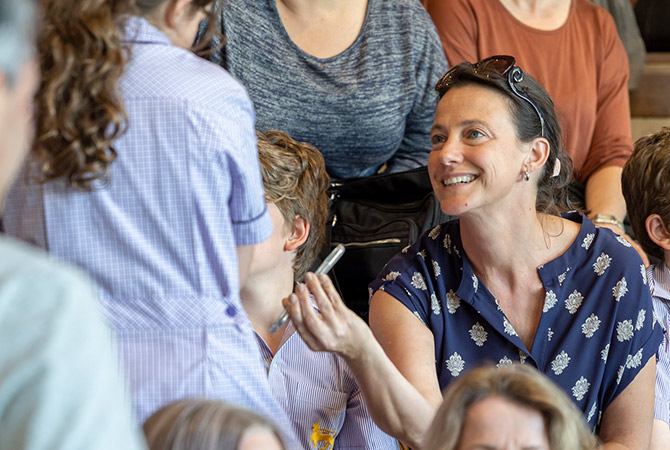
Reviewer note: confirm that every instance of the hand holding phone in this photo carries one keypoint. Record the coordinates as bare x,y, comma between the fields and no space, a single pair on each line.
323,268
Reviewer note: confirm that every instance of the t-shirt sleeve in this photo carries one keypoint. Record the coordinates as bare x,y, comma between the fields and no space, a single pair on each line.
59,377
430,64
457,26
612,143
232,166
406,277
636,335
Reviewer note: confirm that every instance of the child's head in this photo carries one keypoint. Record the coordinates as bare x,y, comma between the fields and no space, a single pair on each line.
295,179
646,186
195,424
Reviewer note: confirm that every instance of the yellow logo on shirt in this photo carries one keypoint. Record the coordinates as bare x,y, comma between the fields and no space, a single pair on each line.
320,436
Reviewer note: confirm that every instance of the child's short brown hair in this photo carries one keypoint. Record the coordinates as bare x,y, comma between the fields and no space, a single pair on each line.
295,179
646,186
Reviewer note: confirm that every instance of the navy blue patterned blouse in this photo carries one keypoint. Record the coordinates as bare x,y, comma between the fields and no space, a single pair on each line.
595,334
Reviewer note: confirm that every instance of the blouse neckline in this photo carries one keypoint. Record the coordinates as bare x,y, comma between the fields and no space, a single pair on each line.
510,16
276,18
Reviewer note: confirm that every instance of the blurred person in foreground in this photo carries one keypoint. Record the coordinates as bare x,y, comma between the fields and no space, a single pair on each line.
59,381
151,184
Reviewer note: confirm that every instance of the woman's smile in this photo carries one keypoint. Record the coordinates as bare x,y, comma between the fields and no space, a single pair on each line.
460,179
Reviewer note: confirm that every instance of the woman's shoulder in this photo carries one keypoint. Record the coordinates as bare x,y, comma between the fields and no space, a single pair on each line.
607,242
249,16
407,15
592,18
185,79
437,244
594,252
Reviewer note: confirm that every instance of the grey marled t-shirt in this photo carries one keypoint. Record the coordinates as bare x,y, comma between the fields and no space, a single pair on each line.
369,105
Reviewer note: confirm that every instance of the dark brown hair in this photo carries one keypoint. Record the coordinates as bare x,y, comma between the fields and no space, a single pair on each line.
198,424
295,179
552,191
645,182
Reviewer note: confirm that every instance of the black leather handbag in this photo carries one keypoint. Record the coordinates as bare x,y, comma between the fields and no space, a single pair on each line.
375,218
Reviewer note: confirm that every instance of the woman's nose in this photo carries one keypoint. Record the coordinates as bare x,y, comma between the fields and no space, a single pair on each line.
450,152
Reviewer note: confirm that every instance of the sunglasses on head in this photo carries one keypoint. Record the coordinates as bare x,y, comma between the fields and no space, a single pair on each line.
502,65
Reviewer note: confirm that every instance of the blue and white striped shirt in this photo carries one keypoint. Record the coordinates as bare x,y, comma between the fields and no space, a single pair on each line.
659,283
321,396
160,238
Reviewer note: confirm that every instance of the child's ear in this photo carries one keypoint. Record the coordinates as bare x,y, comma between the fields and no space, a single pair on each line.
657,231
299,235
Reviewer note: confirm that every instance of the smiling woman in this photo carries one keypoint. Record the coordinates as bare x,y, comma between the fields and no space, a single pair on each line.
515,278
492,285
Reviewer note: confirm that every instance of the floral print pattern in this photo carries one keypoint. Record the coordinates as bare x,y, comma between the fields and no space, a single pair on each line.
595,342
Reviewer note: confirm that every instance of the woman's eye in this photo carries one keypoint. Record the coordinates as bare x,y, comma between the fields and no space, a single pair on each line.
438,139
474,134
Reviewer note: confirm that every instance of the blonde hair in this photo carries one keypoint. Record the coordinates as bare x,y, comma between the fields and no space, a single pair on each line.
198,424
295,179
521,384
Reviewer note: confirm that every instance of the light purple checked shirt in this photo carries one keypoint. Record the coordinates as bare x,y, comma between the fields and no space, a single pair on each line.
160,238
659,283
321,397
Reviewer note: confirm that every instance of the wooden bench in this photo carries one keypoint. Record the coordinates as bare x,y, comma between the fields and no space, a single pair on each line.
650,102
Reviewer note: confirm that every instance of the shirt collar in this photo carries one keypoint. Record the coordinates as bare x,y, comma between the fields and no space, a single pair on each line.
661,282
138,30
550,273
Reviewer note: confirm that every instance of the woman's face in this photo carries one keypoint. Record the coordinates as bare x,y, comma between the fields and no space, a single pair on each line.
476,160
498,424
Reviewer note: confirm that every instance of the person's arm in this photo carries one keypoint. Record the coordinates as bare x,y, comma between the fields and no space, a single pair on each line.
627,421
603,193
604,196
660,435
395,404
611,143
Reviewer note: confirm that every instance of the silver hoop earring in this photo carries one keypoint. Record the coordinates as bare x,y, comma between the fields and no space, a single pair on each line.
526,176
